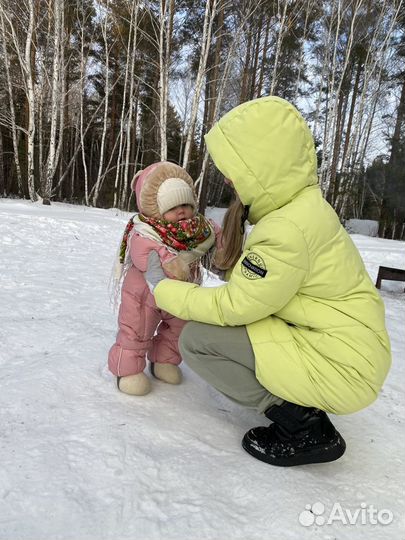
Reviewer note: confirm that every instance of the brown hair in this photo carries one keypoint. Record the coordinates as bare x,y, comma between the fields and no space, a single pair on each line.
232,236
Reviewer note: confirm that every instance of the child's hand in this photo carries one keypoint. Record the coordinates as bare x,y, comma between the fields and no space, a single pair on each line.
154,271
178,267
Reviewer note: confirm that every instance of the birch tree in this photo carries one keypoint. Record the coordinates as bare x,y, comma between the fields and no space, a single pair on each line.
280,36
343,20
131,106
83,20
166,14
56,98
2,183
201,183
210,11
104,31
353,122
25,54
130,48
13,124
28,68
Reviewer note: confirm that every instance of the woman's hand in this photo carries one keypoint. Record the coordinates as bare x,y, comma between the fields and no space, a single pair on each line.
154,271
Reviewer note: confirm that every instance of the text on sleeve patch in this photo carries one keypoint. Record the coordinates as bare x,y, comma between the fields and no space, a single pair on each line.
253,266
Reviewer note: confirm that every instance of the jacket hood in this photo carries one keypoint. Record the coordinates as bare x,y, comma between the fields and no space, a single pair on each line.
266,148
146,184
138,182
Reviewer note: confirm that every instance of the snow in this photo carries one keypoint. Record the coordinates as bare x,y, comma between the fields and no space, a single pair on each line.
82,461
367,227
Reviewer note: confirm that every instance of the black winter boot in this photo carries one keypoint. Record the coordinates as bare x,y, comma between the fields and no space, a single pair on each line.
298,436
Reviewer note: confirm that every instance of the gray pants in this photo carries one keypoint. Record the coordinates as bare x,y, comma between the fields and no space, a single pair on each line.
223,356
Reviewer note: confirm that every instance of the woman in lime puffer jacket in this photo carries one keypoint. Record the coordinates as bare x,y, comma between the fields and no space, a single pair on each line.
299,328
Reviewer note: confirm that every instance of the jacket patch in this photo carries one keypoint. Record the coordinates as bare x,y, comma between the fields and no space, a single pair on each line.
253,266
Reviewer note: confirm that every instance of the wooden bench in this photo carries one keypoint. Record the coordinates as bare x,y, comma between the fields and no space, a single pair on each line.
392,274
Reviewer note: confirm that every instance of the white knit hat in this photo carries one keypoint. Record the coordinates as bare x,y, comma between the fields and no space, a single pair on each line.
174,192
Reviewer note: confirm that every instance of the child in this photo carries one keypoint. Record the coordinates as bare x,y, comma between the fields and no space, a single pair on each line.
169,228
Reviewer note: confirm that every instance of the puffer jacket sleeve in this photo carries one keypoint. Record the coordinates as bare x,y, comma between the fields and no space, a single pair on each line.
269,273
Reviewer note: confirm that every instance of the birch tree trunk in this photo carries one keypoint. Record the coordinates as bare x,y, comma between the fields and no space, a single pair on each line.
187,90
335,148
74,143
324,61
264,58
337,102
26,62
280,37
224,78
211,79
118,168
376,59
31,104
131,110
40,136
256,49
63,100
201,183
83,65
11,105
331,105
210,10
163,76
355,92
308,12
55,101
342,199
96,188
165,36
2,183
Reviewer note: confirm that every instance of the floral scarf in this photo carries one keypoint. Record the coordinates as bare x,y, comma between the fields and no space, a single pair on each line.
124,241
183,235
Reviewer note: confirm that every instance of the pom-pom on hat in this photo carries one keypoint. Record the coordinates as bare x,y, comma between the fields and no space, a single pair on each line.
162,186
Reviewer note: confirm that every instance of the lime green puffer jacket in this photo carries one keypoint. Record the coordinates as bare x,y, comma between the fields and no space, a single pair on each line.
314,318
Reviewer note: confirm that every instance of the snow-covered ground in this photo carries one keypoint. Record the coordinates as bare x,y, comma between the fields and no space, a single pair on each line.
81,461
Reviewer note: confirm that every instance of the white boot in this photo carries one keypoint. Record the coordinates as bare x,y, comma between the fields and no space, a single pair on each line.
168,373
135,385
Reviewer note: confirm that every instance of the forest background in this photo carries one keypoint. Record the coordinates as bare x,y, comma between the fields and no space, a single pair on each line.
93,90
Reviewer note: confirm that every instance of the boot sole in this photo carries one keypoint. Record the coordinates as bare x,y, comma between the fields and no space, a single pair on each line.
317,454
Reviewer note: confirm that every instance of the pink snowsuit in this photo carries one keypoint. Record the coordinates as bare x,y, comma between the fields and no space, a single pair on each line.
139,317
